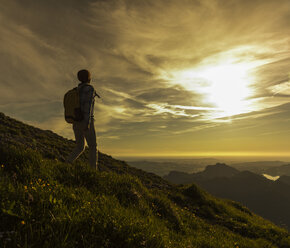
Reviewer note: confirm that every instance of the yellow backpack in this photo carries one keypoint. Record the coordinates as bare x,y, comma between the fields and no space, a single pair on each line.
71,103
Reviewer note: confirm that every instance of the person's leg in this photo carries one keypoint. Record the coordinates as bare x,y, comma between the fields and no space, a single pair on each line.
80,143
91,139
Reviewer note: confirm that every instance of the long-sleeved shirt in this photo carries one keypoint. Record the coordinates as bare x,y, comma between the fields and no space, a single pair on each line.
87,101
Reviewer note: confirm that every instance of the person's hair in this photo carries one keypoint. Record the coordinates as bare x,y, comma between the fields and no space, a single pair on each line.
84,76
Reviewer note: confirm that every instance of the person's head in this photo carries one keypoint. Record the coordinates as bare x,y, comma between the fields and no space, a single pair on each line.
84,76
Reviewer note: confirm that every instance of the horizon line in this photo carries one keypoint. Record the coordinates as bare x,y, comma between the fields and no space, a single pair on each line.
207,155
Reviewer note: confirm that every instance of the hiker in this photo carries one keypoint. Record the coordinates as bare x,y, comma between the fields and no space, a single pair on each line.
85,129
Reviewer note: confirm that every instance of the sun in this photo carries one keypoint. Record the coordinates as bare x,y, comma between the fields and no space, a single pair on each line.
226,87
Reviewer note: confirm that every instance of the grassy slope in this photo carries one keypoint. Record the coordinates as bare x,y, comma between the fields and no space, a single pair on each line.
45,202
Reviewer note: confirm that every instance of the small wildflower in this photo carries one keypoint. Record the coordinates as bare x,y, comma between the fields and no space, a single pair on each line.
23,222
30,198
25,187
2,166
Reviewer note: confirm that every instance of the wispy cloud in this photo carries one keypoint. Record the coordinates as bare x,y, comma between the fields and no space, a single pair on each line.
139,52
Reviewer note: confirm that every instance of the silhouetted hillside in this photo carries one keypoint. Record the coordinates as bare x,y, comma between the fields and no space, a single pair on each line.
211,171
45,202
53,146
270,199
164,166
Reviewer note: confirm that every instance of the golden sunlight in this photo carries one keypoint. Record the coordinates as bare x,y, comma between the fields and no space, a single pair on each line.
226,87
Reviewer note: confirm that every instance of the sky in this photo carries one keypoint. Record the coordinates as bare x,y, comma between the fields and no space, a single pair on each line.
176,77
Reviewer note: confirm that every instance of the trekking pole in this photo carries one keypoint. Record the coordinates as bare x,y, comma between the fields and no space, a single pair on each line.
97,95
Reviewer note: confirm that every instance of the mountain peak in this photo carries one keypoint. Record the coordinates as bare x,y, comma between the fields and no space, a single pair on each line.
219,170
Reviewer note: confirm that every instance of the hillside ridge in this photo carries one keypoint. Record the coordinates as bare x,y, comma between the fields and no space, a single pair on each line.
53,146
265,197
48,203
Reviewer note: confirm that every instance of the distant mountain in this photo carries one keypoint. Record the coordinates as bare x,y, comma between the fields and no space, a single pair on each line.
270,199
258,167
211,171
279,171
45,202
162,167
218,170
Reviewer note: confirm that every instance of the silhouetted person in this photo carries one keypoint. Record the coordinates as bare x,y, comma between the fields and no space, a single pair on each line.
85,129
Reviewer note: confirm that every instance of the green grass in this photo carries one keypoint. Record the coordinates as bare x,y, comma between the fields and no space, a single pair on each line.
45,202
48,203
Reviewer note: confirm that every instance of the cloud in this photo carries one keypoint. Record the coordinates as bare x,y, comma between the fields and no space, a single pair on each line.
283,89
134,48
169,94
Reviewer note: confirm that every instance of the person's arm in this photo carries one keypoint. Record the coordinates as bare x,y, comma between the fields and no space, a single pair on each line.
88,94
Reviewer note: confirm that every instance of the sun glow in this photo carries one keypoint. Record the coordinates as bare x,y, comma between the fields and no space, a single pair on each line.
228,88
225,87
